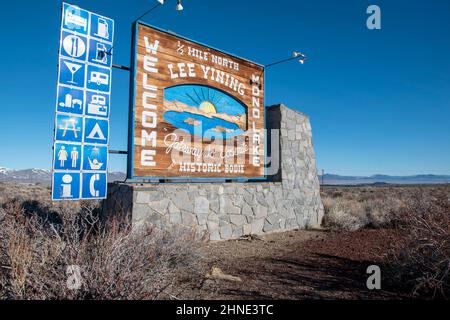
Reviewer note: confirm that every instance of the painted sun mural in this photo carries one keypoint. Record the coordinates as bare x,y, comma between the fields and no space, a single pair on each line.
204,111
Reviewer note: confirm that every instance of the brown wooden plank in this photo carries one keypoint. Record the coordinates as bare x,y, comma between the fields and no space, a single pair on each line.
168,54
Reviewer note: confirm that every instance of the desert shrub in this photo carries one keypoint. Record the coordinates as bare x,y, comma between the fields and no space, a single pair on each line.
37,253
421,260
383,212
348,215
358,208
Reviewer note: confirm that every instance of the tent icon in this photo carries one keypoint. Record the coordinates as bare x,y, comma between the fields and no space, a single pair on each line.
96,133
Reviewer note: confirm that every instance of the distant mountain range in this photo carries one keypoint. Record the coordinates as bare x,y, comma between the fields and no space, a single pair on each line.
44,176
333,179
41,176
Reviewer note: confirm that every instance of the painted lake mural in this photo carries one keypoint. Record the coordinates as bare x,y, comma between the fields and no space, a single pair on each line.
204,111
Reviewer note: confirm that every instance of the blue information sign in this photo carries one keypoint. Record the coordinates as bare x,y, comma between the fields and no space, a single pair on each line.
97,104
102,28
69,128
72,73
73,46
94,185
66,185
96,131
75,19
100,53
83,103
98,79
95,158
67,157
70,100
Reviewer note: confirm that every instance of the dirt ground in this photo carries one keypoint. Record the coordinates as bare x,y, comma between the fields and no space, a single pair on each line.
301,265
297,265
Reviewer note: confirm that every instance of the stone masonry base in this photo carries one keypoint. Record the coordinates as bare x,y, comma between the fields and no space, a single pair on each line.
290,199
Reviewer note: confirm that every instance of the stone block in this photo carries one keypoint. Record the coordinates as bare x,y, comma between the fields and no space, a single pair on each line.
142,197
257,226
238,220
212,226
155,196
247,210
188,219
226,232
247,229
238,232
261,211
202,218
214,235
175,218
227,206
160,206
182,201
201,205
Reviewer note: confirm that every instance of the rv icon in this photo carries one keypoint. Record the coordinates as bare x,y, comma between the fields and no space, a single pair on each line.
98,79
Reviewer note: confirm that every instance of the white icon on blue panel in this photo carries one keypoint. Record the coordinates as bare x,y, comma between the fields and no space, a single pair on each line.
66,186
95,158
75,19
94,185
96,131
97,104
100,53
67,157
102,28
71,73
73,46
98,79
70,100
69,128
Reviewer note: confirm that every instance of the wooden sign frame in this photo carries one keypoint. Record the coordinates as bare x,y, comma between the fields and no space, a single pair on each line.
179,86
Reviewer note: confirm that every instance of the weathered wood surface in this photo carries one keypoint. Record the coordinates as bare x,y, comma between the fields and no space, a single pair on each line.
167,53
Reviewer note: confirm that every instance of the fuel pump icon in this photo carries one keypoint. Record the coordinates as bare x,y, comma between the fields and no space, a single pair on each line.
101,55
103,29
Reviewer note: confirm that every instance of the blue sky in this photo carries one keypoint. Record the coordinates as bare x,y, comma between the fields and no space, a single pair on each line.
379,101
194,95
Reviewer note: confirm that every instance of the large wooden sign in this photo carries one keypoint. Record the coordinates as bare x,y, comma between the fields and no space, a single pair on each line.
197,112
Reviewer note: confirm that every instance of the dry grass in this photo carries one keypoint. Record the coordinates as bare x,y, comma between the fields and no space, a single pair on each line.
40,244
420,261
352,209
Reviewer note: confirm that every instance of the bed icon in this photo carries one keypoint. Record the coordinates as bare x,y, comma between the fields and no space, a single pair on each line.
72,18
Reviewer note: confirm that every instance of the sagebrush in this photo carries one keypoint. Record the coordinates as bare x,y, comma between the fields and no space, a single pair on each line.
419,261
41,249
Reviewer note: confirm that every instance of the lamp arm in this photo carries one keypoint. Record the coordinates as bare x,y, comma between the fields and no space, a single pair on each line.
148,11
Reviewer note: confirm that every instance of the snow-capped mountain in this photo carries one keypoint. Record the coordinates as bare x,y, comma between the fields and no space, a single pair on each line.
28,175
41,176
